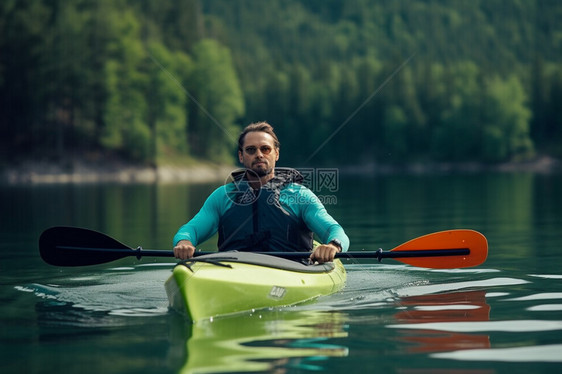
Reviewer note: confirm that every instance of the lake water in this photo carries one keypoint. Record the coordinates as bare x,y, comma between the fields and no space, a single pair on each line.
502,316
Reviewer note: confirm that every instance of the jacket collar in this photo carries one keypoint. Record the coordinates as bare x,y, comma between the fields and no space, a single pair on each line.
283,176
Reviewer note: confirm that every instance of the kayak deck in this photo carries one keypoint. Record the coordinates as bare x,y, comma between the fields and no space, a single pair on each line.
231,282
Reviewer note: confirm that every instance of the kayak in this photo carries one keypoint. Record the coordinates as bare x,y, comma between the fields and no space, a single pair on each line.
224,283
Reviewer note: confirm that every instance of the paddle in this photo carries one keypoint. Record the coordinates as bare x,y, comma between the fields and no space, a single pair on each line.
74,246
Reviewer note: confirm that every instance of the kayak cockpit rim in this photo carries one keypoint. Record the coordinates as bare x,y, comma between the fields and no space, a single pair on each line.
258,259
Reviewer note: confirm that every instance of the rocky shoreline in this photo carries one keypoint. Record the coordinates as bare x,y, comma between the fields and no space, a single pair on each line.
119,172
540,165
83,172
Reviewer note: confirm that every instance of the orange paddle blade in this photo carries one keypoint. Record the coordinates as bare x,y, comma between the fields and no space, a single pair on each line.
472,240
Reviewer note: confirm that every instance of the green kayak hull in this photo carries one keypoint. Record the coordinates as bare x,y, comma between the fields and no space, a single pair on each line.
232,282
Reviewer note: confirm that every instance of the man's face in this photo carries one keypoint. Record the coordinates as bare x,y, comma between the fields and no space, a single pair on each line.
259,153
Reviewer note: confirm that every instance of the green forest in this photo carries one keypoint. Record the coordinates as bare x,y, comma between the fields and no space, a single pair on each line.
342,82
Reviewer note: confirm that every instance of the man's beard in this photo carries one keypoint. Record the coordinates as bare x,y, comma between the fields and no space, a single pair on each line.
262,172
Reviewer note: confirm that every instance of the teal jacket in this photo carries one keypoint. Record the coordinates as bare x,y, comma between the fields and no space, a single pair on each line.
281,216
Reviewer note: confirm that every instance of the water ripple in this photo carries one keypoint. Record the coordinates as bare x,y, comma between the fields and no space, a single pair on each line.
444,287
485,326
539,353
547,276
538,296
545,308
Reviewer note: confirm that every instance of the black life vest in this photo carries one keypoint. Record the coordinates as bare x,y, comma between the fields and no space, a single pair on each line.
257,221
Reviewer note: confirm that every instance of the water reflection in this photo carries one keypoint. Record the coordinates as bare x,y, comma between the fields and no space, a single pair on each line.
265,341
468,306
282,340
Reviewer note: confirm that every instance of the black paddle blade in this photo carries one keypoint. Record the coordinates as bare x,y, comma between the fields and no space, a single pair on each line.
74,246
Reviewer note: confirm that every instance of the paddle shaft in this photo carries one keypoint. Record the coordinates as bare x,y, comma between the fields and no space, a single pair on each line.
379,254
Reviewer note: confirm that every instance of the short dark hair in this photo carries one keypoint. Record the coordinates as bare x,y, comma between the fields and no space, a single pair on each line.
258,126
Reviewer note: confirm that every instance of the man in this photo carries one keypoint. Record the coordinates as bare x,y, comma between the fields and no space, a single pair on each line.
264,208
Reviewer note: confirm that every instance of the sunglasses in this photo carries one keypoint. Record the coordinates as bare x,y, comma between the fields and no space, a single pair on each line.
264,149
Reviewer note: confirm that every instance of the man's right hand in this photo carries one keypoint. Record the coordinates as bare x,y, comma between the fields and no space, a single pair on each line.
184,249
